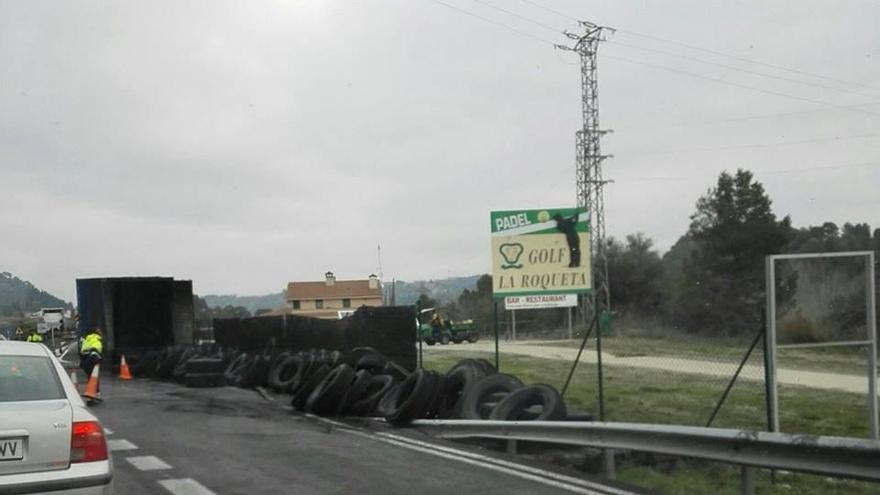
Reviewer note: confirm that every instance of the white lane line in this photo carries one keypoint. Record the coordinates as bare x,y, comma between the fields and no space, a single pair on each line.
419,445
185,486
121,445
513,465
486,465
148,463
108,431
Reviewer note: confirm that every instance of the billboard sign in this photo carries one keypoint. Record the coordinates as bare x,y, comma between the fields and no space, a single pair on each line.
540,252
541,302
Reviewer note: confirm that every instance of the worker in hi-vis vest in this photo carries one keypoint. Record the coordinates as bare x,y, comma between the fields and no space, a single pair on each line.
90,351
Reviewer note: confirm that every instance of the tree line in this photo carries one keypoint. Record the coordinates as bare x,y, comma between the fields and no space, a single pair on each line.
711,281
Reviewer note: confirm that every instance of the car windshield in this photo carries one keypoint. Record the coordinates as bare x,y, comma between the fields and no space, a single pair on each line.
28,378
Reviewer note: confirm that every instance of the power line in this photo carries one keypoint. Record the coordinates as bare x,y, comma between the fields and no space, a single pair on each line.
490,21
677,55
737,85
548,9
766,172
739,69
752,145
707,50
518,16
744,59
739,119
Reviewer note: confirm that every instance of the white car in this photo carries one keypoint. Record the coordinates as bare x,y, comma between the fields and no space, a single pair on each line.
49,441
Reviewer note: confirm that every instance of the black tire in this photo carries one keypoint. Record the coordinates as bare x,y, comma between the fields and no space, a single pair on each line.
459,380
488,368
375,390
487,390
167,362
395,370
457,341
278,359
336,358
302,374
204,380
237,368
357,353
355,391
430,341
374,363
205,365
308,385
444,339
436,401
257,375
281,377
473,337
327,395
146,365
515,407
413,398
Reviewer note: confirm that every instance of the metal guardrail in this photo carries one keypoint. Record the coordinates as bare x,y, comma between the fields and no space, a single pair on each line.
832,456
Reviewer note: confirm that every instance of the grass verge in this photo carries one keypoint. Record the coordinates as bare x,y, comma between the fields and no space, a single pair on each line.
649,396
847,360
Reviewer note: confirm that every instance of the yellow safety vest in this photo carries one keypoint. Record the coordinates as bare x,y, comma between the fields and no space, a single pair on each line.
92,341
34,337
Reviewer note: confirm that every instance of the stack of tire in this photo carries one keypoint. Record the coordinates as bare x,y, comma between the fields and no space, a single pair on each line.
326,383
173,363
362,383
367,384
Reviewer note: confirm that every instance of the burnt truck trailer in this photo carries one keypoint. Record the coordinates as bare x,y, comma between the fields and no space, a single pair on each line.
136,314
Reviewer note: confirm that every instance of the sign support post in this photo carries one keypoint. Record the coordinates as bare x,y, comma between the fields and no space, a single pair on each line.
497,362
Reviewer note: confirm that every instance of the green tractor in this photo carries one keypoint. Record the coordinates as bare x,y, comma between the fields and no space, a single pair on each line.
435,328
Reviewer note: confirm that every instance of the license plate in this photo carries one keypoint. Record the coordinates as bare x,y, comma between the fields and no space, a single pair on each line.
11,449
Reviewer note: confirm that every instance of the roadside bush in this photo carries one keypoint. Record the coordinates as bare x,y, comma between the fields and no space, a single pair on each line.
795,328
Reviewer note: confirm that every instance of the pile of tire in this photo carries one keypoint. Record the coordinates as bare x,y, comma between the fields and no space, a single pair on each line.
361,382
328,383
367,384
192,365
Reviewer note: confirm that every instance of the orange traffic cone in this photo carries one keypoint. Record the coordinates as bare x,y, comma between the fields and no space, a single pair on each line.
92,385
124,372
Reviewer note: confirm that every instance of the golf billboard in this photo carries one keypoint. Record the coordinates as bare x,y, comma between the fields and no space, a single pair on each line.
539,252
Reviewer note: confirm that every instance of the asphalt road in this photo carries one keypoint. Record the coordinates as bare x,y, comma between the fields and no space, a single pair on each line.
166,438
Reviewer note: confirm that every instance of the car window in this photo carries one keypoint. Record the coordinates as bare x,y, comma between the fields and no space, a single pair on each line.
27,378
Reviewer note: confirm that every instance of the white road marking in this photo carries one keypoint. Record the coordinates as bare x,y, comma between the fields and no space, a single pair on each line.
514,465
185,486
148,463
108,431
491,466
121,445
477,458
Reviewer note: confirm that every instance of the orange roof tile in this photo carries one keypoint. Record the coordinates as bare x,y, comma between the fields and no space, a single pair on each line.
339,290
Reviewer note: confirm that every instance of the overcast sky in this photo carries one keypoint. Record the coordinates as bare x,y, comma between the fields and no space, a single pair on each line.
246,144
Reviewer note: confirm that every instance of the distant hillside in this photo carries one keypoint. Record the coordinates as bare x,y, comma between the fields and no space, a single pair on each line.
20,296
252,303
444,290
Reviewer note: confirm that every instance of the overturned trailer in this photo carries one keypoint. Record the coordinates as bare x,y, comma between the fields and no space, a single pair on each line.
136,314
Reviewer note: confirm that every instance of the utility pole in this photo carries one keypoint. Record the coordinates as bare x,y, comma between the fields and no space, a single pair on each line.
590,181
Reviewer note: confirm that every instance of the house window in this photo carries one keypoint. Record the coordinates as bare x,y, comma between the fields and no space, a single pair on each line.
319,304
295,304
346,303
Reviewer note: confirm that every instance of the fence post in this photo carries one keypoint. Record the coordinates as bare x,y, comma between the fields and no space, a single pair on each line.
747,480
497,360
419,333
735,376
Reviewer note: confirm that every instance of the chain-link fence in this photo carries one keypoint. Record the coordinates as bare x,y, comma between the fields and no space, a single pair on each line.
655,373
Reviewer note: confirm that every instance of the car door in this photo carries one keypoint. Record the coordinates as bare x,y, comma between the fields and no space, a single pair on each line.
35,416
